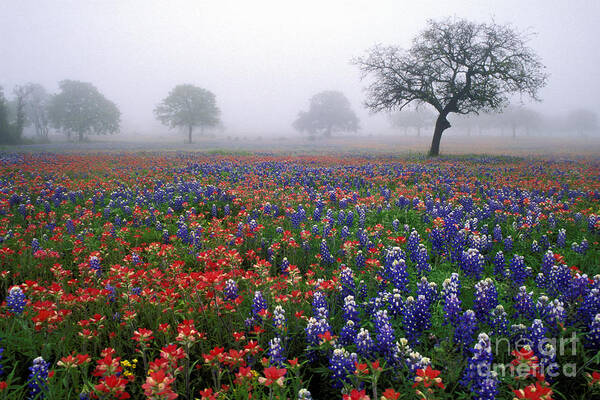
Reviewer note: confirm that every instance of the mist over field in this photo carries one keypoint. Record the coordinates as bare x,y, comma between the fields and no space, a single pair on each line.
264,60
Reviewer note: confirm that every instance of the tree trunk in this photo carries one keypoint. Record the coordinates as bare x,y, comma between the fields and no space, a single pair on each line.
190,134
514,132
80,137
441,124
418,131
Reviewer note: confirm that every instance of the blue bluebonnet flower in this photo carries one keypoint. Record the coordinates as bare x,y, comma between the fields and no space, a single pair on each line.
452,309
519,272
497,233
396,303
451,285
417,317
364,343
135,259
259,304
362,290
547,262
465,330
38,378
412,244
399,275
499,321
535,247
348,287
319,304
592,222
276,352
350,310
348,333
472,263
183,232
165,236
486,299
593,335
552,312
279,320
35,245
519,335
558,281
314,328
384,333
326,254
499,264
590,306
94,265
284,266
112,293
524,306
478,374
231,290
561,237
16,300
422,260
427,289
341,364
360,260
548,361
508,244
536,334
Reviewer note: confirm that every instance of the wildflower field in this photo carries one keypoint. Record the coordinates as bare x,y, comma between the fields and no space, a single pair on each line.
176,275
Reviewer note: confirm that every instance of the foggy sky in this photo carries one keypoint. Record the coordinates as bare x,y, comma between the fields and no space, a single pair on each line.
264,59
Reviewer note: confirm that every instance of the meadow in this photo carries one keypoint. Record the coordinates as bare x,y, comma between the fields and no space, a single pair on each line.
164,275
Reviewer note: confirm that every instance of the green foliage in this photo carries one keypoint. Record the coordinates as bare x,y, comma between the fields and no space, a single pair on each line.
188,106
11,129
80,109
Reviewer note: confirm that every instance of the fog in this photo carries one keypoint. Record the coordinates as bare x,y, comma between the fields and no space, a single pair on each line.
265,59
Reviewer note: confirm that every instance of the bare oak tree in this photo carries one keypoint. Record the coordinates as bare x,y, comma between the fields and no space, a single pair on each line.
456,66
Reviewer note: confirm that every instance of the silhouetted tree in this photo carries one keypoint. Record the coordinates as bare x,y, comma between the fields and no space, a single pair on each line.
582,121
80,109
188,106
456,66
328,112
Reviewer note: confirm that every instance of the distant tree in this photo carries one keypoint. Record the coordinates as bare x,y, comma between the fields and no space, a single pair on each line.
21,93
36,108
519,117
417,119
328,112
12,117
80,109
5,127
456,66
582,121
188,106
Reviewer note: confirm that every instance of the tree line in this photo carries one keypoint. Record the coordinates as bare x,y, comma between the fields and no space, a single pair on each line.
454,67
79,110
514,121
